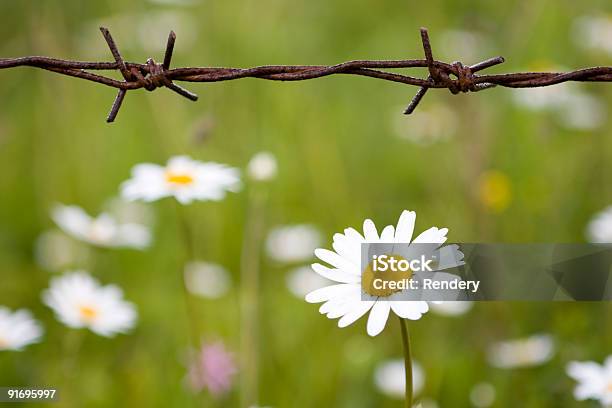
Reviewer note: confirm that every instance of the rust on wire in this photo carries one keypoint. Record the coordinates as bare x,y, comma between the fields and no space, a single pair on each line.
456,77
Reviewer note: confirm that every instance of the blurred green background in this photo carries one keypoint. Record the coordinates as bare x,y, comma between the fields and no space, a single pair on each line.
489,166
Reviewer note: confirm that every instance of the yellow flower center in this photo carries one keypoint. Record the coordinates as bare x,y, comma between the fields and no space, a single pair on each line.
180,179
609,388
3,344
88,313
381,283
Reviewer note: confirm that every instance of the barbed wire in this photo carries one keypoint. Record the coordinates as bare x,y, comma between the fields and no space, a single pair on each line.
153,75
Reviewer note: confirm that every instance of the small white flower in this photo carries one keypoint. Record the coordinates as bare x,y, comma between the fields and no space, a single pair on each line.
526,352
390,378
18,329
599,229
424,128
262,166
594,380
594,32
344,299
451,308
207,279
482,395
573,107
293,243
103,230
79,301
302,280
183,178
543,98
468,45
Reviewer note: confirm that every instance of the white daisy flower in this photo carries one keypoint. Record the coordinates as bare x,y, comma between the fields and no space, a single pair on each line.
424,129
262,166
183,178
207,279
464,44
344,300
390,378
78,301
526,352
302,280
574,108
293,243
594,32
103,230
594,380
18,329
599,229
451,308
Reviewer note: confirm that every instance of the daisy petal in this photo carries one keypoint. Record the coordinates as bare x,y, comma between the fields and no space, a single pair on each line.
328,292
358,310
387,234
409,310
369,231
337,275
433,235
336,260
405,226
378,317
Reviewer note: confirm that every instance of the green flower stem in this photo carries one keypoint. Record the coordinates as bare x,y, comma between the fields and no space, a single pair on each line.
188,255
249,295
407,361
72,343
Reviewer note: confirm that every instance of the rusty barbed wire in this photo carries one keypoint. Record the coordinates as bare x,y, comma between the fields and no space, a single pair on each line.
152,75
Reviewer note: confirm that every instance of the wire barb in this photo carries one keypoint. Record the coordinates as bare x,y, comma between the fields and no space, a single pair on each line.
456,77
150,76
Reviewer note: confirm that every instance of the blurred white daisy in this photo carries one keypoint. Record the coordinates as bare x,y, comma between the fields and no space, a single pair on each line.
599,229
293,243
390,378
262,166
573,107
543,98
56,251
79,301
482,395
183,178
451,308
141,31
18,329
526,352
103,230
344,299
594,380
302,280
424,127
470,46
207,279
594,32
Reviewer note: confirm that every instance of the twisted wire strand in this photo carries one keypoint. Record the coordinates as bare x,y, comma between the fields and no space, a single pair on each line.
456,77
